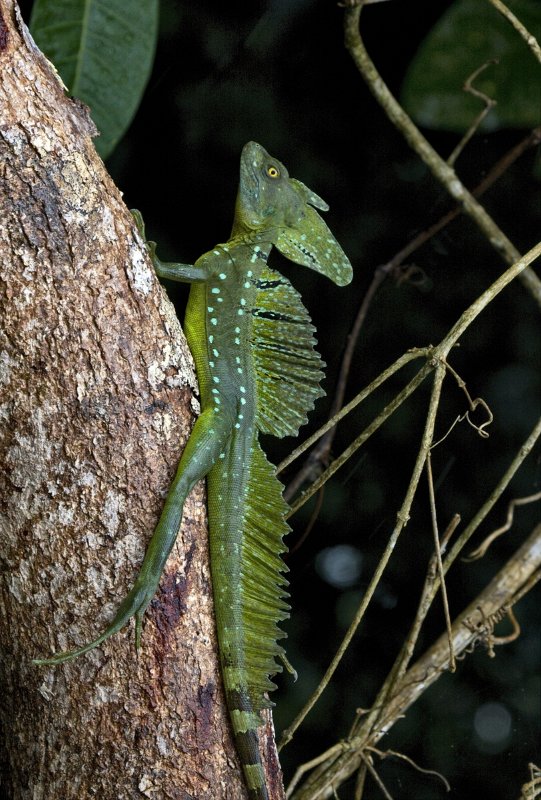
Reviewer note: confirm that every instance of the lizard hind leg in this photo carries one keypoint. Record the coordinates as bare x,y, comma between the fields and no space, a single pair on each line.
206,442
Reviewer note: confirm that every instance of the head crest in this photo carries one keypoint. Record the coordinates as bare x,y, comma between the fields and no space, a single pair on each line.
270,200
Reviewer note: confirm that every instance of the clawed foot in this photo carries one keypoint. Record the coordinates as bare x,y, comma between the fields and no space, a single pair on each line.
133,605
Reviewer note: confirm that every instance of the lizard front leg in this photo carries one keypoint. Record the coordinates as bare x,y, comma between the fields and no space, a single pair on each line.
185,273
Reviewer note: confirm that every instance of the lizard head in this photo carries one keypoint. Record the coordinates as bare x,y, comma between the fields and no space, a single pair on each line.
270,201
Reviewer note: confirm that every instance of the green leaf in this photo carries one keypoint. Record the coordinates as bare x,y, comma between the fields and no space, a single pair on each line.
103,50
468,35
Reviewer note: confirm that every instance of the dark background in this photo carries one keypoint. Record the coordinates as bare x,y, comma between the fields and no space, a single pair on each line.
278,73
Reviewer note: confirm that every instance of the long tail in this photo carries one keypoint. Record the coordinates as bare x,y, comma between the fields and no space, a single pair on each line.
244,723
247,523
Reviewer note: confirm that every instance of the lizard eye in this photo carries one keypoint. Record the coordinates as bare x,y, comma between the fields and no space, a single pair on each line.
273,172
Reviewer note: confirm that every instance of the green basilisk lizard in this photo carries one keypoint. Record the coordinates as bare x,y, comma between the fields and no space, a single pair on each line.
253,346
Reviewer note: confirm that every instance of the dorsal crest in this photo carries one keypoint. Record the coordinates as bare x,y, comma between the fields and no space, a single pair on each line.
287,366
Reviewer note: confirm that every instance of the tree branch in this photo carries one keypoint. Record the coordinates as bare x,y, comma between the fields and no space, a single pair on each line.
439,168
475,625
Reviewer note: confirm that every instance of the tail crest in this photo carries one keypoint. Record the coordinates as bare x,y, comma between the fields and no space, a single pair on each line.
250,602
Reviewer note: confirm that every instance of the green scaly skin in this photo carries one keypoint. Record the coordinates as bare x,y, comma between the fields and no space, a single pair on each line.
252,343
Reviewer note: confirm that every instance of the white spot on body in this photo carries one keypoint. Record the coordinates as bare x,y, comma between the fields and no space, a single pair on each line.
213,321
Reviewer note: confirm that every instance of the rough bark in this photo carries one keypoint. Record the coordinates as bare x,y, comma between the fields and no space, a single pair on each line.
95,406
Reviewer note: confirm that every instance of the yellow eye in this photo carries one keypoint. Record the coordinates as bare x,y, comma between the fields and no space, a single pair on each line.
273,172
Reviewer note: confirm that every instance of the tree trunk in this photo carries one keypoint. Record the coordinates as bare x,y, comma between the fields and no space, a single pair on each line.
96,388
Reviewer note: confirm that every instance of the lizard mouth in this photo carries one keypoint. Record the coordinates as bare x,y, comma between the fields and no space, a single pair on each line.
250,166
252,159
263,182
